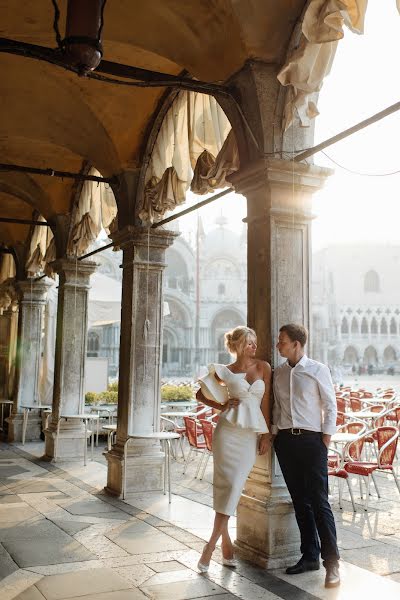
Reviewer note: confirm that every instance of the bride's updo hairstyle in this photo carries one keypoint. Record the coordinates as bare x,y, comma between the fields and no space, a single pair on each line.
237,338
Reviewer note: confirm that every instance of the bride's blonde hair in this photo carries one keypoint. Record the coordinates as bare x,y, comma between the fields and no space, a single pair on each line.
237,338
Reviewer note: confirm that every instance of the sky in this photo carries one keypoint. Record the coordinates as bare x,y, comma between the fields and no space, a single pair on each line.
365,79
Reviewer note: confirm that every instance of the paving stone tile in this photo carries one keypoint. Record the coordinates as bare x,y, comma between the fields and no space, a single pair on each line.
348,540
135,574
7,565
47,550
16,514
30,530
32,487
66,567
9,499
183,590
81,583
132,594
11,471
31,593
394,577
137,537
70,527
378,559
87,507
170,565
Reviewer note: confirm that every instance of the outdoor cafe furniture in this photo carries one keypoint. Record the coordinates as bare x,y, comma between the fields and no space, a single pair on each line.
165,438
25,415
194,433
5,402
86,418
111,432
387,438
341,474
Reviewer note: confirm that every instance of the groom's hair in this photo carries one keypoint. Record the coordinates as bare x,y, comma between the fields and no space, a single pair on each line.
296,333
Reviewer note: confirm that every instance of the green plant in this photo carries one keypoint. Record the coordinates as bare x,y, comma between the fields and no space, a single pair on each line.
91,398
176,392
108,397
113,387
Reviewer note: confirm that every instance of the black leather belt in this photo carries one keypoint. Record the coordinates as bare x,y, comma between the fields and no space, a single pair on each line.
297,431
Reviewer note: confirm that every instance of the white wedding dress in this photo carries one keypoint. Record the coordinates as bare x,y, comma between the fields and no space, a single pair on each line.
235,438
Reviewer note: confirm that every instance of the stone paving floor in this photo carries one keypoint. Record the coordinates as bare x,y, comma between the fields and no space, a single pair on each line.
61,537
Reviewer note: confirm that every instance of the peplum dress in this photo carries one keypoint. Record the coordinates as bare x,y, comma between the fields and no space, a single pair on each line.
235,438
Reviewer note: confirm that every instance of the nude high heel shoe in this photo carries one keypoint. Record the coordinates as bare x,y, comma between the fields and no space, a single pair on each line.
202,567
229,562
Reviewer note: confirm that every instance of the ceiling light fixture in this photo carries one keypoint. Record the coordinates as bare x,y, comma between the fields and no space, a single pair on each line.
81,46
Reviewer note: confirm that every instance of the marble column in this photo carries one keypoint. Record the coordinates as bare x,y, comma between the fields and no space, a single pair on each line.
70,357
279,195
140,359
29,348
8,336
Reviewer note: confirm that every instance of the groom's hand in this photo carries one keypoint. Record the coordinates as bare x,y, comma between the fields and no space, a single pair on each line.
264,443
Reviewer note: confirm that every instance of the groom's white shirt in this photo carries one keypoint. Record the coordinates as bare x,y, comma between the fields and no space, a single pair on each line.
304,397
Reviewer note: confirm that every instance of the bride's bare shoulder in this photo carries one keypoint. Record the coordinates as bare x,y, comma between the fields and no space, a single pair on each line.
263,365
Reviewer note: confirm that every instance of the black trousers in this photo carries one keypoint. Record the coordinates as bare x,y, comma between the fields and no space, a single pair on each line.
303,461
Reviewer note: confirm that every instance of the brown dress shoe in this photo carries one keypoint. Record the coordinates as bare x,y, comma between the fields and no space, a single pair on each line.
332,578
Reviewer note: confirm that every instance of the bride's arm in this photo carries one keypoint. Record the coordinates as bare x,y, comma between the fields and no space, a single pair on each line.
265,438
266,400
201,398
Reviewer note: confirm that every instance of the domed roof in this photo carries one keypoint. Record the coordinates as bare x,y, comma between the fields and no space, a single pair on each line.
223,242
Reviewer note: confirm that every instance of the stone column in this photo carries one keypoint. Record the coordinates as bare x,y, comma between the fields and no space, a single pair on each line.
140,358
70,357
279,195
8,335
29,347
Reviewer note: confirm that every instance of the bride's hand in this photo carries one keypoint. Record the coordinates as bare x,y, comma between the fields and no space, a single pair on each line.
231,403
264,443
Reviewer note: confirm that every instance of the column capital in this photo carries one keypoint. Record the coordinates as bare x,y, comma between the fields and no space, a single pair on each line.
279,172
34,291
143,236
75,272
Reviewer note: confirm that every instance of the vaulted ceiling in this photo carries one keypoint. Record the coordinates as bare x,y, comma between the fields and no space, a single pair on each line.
50,117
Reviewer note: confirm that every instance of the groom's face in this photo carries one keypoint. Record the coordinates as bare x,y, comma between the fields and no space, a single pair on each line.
285,345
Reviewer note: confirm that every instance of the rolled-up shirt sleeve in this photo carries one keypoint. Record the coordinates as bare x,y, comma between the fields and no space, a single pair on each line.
328,400
275,408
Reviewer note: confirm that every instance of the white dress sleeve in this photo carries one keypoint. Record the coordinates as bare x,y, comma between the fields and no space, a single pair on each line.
211,388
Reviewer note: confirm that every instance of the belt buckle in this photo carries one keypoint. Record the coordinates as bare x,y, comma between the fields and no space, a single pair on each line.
295,431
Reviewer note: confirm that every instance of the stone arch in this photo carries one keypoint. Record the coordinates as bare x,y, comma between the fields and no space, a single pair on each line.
93,343
370,356
393,326
371,282
364,326
389,355
350,356
225,319
384,326
177,271
374,326
354,326
345,326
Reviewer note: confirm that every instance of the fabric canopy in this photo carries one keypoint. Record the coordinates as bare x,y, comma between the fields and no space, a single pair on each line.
39,254
7,267
96,210
192,149
311,61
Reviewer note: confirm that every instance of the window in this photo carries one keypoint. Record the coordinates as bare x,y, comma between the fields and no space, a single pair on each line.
221,289
393,326
364,326
354,325
93,344
371,282
384,328
374,326
345,326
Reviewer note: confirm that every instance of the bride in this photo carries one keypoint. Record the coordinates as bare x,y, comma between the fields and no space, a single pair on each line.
241,390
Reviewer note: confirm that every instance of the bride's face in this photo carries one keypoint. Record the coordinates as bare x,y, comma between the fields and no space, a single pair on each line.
250,348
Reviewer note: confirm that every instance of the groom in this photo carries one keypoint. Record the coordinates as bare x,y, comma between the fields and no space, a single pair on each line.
304,418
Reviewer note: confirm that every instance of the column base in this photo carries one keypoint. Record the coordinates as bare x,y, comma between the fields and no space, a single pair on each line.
144,472
70,443
267,534
33,430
